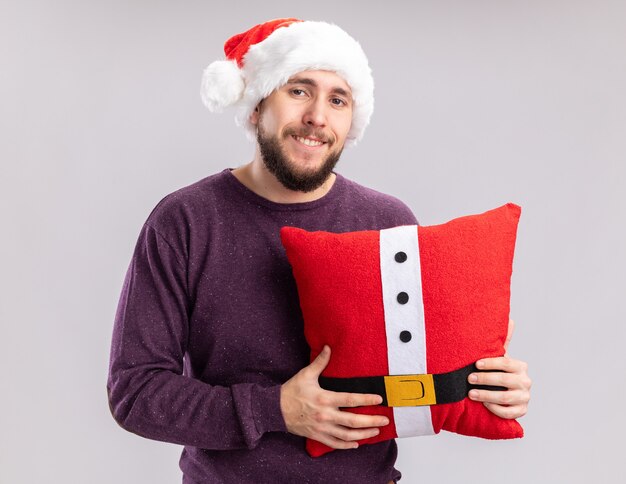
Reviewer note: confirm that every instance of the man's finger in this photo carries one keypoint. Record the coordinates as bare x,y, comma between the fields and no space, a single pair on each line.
502,363
495,378
509,334
514,411
320,362
357,420
509,397
346,434
349,400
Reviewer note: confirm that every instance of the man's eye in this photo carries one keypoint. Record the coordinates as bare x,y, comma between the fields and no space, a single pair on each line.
298,92
338,102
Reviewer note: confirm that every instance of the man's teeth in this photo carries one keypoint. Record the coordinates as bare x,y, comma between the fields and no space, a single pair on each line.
308,142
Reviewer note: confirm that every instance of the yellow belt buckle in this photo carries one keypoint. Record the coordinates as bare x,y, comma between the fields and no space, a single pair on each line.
410,390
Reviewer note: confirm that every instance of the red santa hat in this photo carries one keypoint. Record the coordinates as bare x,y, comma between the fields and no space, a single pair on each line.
263,59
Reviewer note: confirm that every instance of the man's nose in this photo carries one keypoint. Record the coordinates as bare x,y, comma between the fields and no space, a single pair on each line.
315,114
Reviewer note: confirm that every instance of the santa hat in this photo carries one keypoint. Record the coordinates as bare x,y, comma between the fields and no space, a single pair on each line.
263,59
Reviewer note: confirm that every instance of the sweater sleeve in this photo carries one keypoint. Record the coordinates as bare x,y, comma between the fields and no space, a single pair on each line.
148,393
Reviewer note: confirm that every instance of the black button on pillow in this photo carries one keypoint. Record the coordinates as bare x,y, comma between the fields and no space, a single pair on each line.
400,257
405,336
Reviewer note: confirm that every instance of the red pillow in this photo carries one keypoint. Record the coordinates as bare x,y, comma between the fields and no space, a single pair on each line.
407,311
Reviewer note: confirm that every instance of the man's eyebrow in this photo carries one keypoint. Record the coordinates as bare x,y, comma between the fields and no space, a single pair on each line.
302,80
341,91
310,82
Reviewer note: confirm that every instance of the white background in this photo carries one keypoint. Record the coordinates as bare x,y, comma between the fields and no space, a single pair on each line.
477,103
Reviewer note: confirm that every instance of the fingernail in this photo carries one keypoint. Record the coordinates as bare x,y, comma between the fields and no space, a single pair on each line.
473,394
473,378
480,364
386,421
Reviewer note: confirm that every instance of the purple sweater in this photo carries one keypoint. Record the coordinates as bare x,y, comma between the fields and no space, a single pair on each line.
208,327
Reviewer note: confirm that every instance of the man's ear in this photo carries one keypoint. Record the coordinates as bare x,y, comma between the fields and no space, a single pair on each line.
254,116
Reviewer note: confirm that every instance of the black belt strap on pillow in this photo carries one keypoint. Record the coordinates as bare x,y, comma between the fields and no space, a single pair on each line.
411,390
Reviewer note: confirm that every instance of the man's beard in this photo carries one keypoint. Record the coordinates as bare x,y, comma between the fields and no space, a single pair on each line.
282,168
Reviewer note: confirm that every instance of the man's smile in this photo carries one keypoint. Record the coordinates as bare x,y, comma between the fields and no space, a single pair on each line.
308,141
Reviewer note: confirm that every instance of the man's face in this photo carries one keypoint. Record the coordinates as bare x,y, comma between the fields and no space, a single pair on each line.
302,128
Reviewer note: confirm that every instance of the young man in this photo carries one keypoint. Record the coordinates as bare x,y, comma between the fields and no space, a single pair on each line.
208,348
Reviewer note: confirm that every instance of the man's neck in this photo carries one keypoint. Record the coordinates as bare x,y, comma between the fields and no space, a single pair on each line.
258,178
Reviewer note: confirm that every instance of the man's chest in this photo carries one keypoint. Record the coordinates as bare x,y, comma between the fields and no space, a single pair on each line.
246,323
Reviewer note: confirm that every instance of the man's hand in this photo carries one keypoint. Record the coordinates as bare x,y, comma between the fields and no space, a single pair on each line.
311,411
512,403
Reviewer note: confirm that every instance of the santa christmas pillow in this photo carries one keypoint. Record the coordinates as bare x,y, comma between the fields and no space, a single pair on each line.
407,311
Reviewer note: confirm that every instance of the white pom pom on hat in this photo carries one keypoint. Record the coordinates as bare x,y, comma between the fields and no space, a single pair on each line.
263,59
222,85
